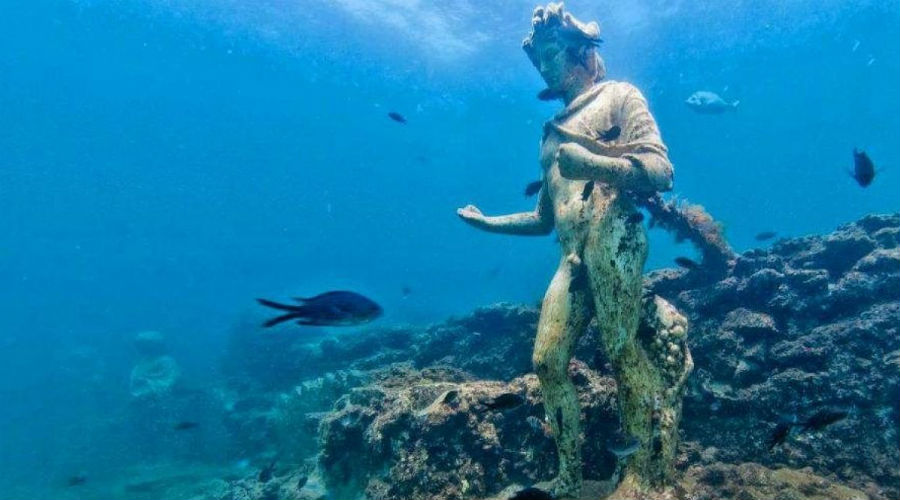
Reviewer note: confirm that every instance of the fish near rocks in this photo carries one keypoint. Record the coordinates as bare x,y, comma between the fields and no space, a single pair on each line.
338,308
824,417
686,263
532,493
863,168
709,103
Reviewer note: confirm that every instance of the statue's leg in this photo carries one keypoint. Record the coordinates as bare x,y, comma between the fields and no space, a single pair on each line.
614,256
566,312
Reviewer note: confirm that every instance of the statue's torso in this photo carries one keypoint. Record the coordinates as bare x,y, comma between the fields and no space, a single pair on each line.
576,215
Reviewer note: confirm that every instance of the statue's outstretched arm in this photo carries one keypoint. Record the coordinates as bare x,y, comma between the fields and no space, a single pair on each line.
536,223
638,162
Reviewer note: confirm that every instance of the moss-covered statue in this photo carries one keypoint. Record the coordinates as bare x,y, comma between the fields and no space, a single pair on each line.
600,155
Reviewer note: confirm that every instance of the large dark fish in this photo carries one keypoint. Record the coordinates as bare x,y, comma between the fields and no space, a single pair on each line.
397,117
824,417
533,188
532,494
635,218
339,308
765,235
863,168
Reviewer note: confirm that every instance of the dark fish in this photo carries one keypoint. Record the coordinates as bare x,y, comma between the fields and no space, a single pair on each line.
301,482
533,188
532,493
687,263
506,402
611,134
781,432
863,168
266,473
340,308
185,425
588,189
635,218
559,420
406,290
824,417
76,480
766,235
397,117
549,95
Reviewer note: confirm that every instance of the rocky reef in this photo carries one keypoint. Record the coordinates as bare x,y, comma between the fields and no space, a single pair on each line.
452,411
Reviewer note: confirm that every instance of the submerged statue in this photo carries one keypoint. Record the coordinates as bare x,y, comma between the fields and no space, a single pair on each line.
601,156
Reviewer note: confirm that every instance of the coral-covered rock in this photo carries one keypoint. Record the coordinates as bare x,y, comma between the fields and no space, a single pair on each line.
801,327
751,481
435,434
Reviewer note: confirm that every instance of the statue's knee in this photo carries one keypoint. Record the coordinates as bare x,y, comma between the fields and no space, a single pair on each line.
546,366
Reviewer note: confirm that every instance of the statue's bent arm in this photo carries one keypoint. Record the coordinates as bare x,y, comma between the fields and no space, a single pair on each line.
645,167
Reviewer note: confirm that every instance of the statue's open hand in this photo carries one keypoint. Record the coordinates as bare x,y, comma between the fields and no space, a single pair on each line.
470,214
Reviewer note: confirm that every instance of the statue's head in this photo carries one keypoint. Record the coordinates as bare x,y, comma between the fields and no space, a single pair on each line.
563,49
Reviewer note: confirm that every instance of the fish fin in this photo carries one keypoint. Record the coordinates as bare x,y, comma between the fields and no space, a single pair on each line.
280,319
276,305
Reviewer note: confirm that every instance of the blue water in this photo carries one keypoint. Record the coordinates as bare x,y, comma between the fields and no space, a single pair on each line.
162,163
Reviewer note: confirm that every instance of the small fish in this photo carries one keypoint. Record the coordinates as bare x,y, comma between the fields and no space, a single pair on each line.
824,417
549,95
505,401
301,481
709,103
588,189
635,218
406,291
185,425
532,493
266,473
340,308
863,168
559,419
611,134
623,447
397,117
782,431
533,188
765,235
687,263
76,480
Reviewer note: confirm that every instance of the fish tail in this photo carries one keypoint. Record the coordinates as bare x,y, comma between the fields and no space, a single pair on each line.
281,319
276,305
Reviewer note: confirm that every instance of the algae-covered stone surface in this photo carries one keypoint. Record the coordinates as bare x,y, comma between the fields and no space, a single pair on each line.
453,411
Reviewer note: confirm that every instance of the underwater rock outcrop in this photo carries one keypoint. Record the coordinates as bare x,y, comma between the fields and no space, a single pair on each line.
809,323
438,434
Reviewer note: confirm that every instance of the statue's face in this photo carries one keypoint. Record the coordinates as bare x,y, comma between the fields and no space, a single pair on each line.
554,65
